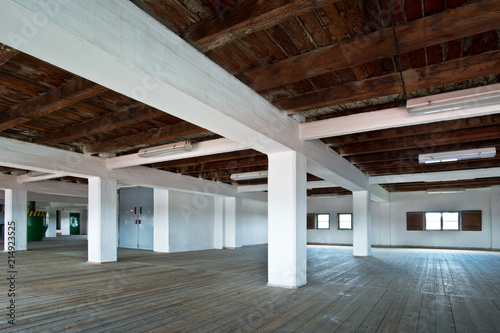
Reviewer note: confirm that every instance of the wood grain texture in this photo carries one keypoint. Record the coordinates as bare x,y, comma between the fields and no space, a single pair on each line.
403,290
432,30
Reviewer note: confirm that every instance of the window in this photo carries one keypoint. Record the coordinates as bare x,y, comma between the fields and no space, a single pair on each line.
345,221
323,221
442,221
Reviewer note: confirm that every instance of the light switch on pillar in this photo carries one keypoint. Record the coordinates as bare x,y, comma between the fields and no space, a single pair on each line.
361,224
16,219
102,221
287,233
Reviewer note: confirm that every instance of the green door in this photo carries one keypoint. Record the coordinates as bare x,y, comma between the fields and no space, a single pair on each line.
74,223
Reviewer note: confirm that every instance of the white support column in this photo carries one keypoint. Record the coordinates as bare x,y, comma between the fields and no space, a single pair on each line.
287,260
52,221
102,221
161,241
219,223
361,224
495,217
16,216
232,219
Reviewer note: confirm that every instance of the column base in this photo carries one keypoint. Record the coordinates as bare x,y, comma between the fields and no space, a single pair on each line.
103,262
286,287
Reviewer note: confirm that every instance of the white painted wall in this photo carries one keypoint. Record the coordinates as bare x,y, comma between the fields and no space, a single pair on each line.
389,219
332,207
191,221
254,222
474,199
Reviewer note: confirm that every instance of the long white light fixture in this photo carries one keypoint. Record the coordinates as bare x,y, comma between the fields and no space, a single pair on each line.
172,148
458,155
249,175
446,191
456,100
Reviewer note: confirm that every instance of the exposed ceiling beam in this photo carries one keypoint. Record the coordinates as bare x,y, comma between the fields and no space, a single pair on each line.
385,119
247,153
167,132
421,141
230,165
71,92
100,125
6,53
200,149
436,176
431,30
263,187
420,78
246,18
26,178
46,187
157,67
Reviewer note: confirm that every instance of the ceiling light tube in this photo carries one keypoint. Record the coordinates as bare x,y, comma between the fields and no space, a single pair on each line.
249,175
172,148
459,155
456,100
446,191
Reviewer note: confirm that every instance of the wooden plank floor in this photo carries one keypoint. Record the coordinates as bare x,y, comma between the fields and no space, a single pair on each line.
395,290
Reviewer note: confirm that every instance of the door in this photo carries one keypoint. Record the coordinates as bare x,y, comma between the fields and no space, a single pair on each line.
74,223
136,218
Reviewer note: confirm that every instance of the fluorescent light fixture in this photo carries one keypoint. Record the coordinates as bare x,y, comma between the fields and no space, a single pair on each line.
326,196
459,155
172,148
249,175
38,174
446,191
456,100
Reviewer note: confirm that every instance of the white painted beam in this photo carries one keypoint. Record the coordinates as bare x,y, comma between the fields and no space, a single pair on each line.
211,147
384,119
115,44
379,194
436,176
264,187
26,178
46,187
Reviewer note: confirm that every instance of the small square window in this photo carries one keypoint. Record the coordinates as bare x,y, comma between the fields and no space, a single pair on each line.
432,221
345,221
323,221
451,221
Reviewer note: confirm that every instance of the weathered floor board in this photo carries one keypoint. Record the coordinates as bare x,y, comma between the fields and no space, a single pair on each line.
395,290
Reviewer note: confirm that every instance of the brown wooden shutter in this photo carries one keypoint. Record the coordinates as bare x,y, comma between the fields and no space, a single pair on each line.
310,221
414,221
471,220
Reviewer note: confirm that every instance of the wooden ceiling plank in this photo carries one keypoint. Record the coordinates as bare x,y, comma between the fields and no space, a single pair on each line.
74,91
257,161
248,153
100,125
431,76
247,18
449,25
426,140
6,53
149,137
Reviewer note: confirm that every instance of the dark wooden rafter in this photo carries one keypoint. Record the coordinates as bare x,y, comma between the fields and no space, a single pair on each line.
73,91
431,76
230,165
7,53
424,140
98,126
242,154
328,191
246,18
422,186
149,137
431,30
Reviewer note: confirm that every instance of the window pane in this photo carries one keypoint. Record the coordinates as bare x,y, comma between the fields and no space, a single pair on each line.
432,221
323,221
345,221
450,221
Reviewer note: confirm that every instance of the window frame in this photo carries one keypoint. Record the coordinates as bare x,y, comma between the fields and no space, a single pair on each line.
338,221
317,221
441,221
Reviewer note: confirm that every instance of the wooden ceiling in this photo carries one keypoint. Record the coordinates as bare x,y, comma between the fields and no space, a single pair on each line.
323,59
